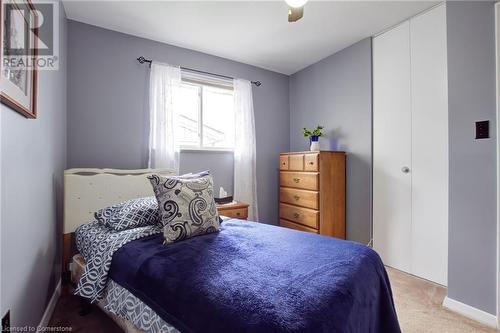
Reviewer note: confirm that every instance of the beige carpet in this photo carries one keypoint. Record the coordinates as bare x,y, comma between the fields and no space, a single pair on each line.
418,304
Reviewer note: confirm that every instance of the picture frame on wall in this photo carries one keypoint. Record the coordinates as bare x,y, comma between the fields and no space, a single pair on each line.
18,75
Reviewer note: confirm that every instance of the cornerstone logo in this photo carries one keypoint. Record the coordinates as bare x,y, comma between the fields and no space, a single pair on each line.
30,35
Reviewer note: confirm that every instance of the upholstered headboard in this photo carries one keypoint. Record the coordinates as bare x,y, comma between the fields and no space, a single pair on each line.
88,190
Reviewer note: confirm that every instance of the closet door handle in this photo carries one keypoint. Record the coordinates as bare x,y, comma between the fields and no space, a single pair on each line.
405,169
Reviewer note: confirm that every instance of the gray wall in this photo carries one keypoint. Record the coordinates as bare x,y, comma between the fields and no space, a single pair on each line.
337,93
471,85
220,164
32,163
108,114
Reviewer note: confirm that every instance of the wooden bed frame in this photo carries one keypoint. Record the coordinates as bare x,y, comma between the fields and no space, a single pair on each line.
88,190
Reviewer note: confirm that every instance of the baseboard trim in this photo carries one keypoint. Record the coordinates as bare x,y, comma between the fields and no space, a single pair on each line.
51,306
470,312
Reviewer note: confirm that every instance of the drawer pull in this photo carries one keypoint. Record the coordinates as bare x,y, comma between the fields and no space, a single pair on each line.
238,214
296,180
296,197
296,215
311,163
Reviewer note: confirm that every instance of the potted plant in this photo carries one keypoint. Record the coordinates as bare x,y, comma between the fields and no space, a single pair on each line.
313,135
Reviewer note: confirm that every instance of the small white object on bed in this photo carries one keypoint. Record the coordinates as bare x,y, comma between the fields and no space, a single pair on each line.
88,190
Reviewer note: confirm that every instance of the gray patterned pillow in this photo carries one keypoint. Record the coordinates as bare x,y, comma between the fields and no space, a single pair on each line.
129,214
186,206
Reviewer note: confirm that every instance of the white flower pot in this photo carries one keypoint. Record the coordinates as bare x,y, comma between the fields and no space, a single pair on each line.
314,146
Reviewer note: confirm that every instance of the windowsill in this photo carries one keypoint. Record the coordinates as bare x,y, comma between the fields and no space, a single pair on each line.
207,150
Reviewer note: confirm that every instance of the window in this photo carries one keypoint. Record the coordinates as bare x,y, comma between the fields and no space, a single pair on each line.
205,116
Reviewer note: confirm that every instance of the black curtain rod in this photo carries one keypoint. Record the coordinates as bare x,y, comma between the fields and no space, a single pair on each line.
143,60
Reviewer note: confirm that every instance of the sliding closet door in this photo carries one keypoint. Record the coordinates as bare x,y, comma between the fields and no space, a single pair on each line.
392,147
429,145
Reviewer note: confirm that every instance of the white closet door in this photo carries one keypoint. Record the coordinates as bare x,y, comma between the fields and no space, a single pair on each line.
429,145
392,147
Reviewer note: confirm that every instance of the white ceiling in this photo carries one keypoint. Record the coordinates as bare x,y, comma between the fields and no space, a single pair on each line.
256,32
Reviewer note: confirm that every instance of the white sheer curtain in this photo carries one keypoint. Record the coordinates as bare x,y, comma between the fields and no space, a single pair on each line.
245,178
164,83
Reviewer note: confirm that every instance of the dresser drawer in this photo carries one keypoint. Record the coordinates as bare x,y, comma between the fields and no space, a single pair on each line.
291,225
304,198
296,162
311,162
283,162
302,180
304,216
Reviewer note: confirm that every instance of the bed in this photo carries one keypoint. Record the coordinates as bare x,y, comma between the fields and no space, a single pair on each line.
249,277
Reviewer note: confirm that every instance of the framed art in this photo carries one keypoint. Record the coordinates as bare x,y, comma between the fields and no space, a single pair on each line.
18,77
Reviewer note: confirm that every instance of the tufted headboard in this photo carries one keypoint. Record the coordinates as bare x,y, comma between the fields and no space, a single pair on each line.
88,190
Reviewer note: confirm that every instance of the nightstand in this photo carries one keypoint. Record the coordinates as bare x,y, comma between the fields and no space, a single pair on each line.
237,210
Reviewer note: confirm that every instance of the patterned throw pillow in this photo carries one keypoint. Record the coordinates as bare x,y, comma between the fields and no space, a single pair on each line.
129,214
186,206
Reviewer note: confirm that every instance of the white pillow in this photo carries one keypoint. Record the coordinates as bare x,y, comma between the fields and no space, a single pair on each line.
186,206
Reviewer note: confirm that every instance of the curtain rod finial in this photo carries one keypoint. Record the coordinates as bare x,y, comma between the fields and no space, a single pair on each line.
257,83
142,60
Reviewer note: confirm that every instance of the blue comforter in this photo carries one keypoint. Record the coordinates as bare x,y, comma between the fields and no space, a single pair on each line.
253,277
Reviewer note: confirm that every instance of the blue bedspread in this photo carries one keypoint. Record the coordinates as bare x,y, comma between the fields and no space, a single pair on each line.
253,277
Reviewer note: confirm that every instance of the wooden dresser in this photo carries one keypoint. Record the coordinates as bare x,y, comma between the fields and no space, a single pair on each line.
312,192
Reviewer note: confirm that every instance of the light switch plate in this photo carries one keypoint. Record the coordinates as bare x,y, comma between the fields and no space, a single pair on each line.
483,129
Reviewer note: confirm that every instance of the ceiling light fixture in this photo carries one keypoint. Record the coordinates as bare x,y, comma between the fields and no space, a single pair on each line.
296,3
296,10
